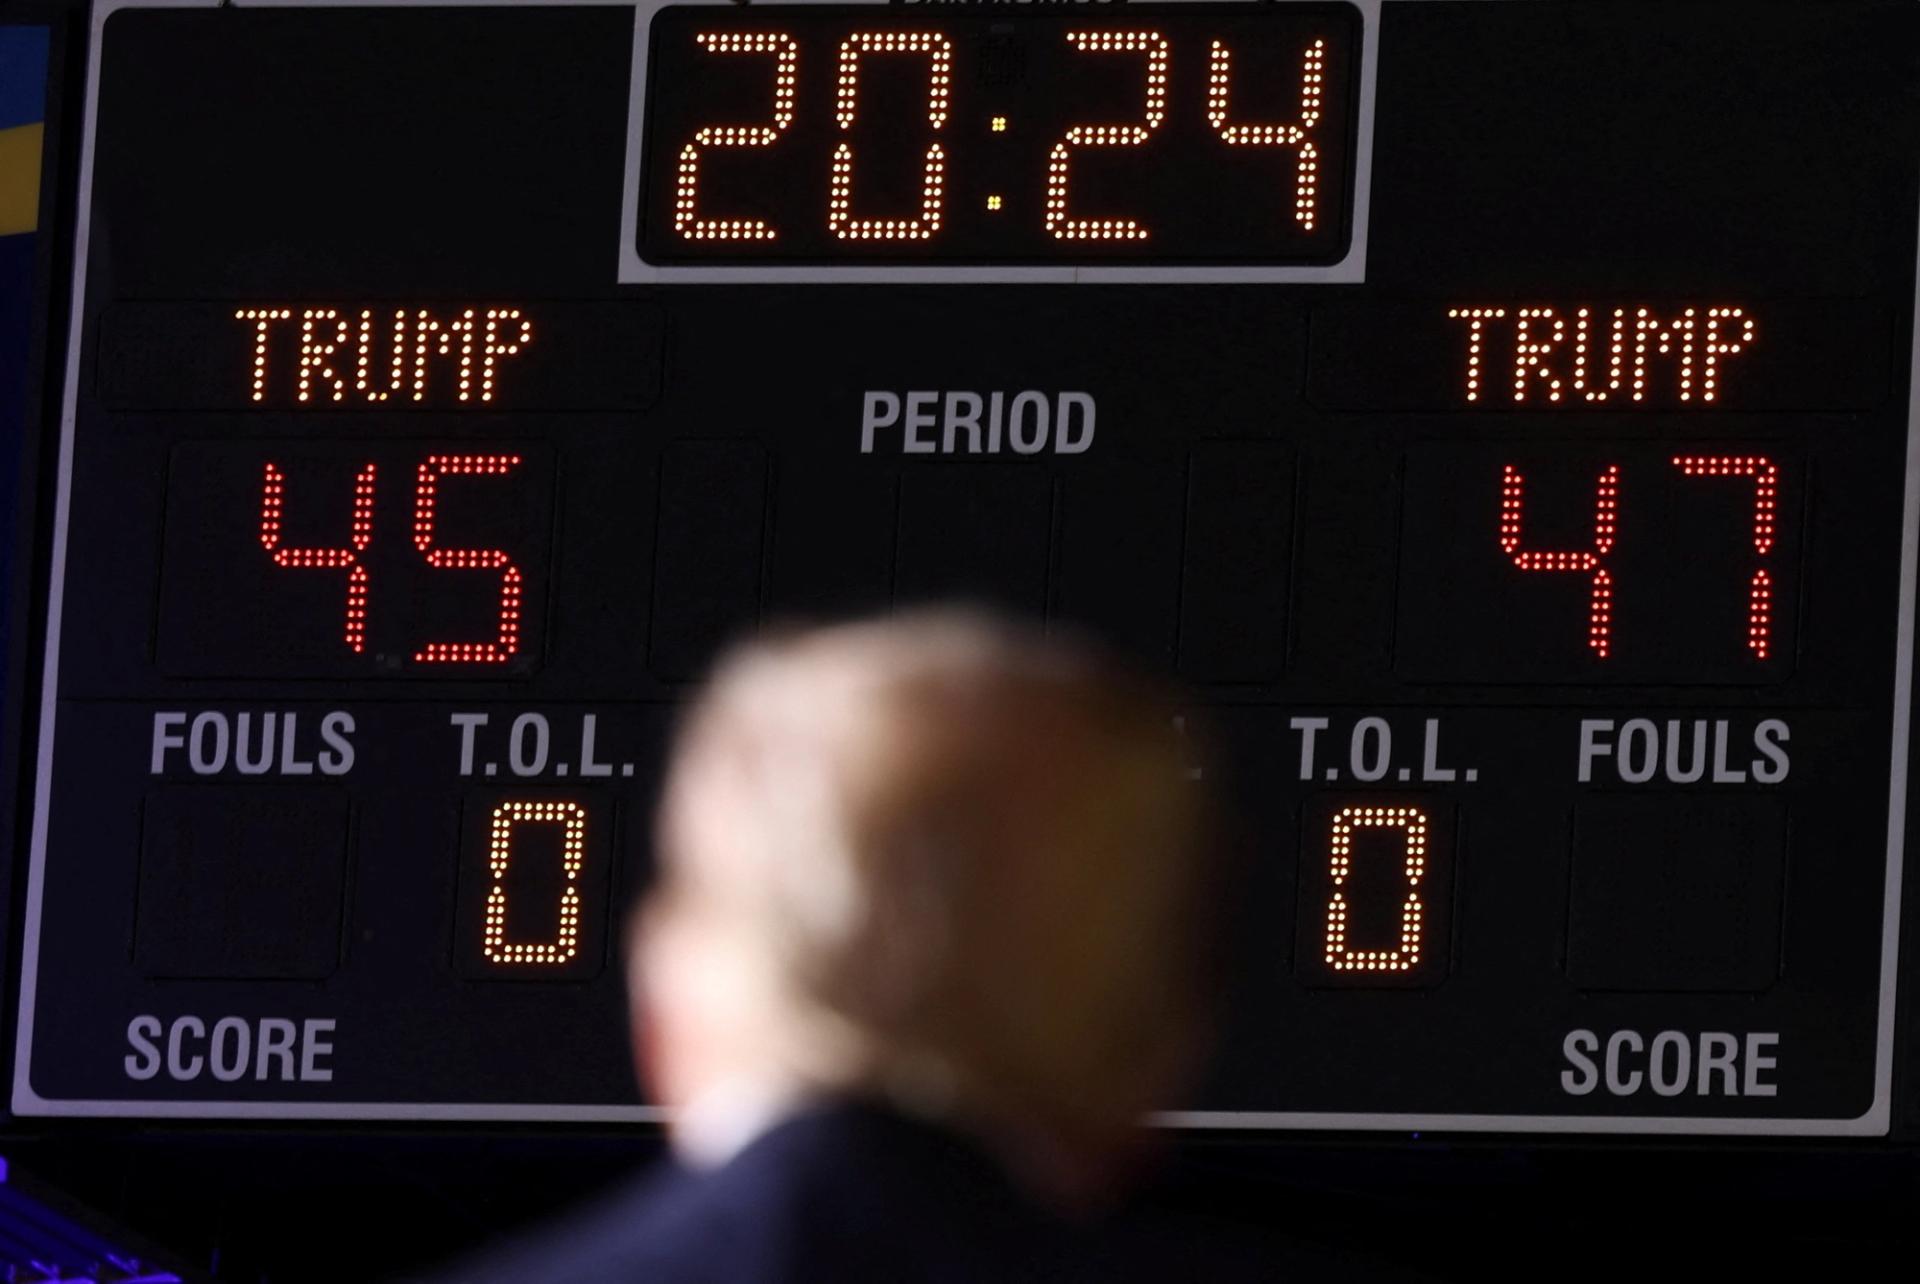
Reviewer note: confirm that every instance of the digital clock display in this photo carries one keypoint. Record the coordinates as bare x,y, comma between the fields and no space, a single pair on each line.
1196,134
1496,418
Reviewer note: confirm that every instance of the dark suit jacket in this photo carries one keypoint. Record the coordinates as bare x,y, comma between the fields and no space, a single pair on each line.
851,1193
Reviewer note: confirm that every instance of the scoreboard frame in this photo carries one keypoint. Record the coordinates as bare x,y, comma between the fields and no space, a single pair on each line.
631,270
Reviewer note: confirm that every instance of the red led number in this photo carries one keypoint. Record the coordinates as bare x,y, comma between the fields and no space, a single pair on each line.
565,945
1766,490
1405,954
1584,561
273,500
1765,476
506,642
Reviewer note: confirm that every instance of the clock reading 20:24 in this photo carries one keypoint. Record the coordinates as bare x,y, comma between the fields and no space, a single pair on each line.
835,134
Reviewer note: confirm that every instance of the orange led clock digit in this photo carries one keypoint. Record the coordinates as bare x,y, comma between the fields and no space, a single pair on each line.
1059,222
1296,135
686,220
840,217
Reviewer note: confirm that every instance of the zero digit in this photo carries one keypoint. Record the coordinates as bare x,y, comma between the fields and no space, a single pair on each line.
508,817
933,175
1405,955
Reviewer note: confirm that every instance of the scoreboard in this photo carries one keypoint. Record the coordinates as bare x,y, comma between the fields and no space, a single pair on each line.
1499,417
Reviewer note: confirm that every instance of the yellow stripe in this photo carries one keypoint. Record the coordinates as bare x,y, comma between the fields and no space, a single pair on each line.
19,178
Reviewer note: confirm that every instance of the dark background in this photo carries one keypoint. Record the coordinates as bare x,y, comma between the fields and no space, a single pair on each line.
308,1201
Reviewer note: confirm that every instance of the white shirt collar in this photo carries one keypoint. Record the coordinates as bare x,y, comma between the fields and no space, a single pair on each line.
725,1119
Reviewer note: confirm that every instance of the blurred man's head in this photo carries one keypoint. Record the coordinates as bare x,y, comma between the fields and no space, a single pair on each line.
939,859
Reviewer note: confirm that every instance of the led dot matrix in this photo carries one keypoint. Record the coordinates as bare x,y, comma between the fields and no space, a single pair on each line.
1606,504
1766,486
1476,319
933,184
1574,355
1766,491
477,338
1205,128
262,318
507,642
273,498
1312,84
565,945
1406,952
1063,227
686,220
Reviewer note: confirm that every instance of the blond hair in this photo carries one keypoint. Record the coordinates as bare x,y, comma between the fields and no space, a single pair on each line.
953,859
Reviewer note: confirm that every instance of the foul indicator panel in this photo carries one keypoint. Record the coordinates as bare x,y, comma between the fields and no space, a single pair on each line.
1516,492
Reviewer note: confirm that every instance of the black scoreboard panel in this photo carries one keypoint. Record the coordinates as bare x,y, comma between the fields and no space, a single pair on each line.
1496,415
